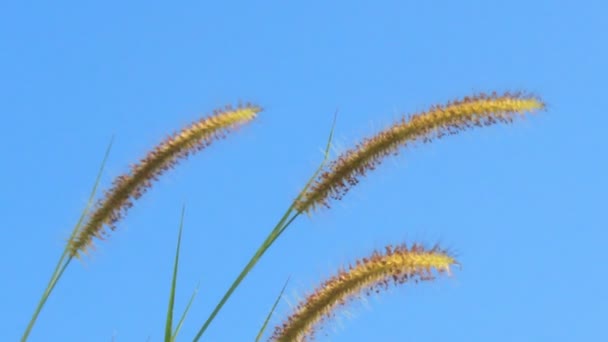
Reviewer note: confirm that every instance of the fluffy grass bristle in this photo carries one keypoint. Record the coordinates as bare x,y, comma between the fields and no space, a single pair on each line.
440,120
369,275
132,185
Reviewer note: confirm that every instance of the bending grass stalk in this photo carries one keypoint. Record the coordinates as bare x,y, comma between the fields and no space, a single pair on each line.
280,227
252,262
131,186
274,306
478,110
63,263
368,275
169,322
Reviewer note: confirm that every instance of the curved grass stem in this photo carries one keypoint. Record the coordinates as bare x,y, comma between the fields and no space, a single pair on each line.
280,227
63,263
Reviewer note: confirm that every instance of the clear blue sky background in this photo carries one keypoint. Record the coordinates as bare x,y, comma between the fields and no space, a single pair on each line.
522,205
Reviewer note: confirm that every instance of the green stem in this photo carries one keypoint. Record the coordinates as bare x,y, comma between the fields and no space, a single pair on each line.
62,264
252,262
59,269
270,239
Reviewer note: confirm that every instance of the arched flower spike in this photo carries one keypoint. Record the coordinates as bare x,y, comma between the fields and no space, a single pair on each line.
368,275
132,185
348,168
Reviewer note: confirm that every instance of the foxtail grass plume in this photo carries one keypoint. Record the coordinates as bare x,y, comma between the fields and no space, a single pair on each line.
368,275
438,121
132,185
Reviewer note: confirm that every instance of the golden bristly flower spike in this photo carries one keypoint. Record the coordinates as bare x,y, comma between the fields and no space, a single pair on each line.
132,185
477,110
368,275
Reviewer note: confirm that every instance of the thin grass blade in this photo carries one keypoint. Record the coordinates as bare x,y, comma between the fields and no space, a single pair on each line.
169,323
185,313
274,306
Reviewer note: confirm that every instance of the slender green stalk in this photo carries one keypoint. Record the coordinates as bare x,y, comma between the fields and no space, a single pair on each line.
169,324
63,263
281,226
252,262
274,306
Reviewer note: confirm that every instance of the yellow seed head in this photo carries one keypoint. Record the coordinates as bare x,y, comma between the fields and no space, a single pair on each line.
348,168
130,186
366,276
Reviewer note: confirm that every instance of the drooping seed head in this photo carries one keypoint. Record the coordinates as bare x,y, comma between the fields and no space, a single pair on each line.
130,186
367,276
454,117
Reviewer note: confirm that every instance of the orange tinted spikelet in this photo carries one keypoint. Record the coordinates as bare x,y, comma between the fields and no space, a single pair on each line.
367,276
130,186
479,110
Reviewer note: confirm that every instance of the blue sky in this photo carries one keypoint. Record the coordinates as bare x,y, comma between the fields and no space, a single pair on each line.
523,206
